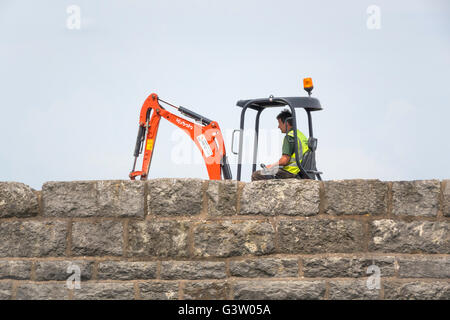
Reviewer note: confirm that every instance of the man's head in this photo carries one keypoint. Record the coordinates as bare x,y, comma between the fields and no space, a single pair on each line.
285,121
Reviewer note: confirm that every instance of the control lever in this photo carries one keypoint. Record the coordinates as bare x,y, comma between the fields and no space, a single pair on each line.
267,171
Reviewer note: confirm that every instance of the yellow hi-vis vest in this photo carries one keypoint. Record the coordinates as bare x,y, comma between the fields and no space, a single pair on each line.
292,164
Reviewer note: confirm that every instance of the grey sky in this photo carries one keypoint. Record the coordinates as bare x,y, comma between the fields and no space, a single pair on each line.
70,99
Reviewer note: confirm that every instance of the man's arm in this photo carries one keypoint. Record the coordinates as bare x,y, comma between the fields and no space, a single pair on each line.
284,160
287,150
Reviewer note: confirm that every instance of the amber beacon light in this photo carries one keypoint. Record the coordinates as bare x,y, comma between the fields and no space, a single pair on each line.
308,85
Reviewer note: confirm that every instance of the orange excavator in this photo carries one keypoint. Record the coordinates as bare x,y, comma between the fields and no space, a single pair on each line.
205,133
208,138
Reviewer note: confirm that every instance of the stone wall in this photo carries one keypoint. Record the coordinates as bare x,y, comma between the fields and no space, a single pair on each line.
196,239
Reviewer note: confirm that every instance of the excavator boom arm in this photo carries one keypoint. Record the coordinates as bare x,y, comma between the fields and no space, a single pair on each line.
207,137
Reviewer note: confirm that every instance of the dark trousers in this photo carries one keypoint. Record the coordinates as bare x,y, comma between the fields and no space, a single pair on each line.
280,174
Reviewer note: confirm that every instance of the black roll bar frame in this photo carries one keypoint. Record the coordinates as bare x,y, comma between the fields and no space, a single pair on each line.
308,103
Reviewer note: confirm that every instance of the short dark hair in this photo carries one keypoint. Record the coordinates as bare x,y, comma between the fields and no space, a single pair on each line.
285,114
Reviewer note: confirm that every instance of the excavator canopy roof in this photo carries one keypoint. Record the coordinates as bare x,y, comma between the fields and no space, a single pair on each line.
307,103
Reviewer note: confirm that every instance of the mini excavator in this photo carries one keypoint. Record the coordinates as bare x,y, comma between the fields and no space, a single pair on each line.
206,134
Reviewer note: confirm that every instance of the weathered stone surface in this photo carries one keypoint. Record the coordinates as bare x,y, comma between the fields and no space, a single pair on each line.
5,290
104,238
233,238
17,200
316,236
222,197
412,251
159,290
193,270
115,198
355,197
175,197
424,267
354,289
416,290
42,291
62,270
104,291
206,291
279,290
281,197
159,238
409,237
17,270
340,267
32,238
125,270
446,198
415,198
266,267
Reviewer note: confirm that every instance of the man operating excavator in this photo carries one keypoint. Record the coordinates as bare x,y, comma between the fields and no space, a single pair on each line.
207,136
286,167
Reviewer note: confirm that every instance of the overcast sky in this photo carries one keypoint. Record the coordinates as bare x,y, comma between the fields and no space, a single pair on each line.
70,98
